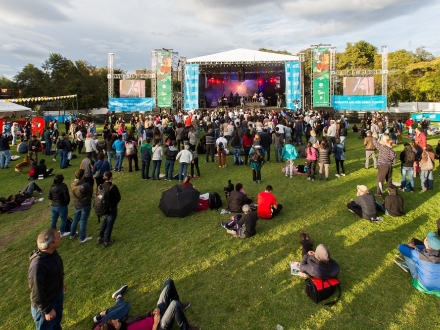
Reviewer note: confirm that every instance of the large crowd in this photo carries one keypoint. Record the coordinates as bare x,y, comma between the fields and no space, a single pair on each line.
254,138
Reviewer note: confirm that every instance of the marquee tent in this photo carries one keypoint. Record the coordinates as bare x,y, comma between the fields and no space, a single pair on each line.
243,55
7,108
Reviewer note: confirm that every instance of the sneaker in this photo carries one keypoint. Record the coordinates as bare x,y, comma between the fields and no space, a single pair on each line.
376,219
309,178
337,175
97,318
100,240
185,305
88,238
402,264
107,244
313,179
54,159
72,237
224,225
119,292
64,234
343,174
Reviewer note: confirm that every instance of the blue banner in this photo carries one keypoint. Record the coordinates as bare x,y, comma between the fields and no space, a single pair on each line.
360,103
431,116
293,85
131,104
191,93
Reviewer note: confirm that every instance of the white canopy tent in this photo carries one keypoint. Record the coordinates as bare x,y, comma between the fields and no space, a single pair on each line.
8,109
243,55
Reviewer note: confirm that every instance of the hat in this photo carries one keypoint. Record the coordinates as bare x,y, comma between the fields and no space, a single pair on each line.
433,241
322,253
362,188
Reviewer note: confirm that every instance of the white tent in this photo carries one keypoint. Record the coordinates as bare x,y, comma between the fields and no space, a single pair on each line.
243,55
8,108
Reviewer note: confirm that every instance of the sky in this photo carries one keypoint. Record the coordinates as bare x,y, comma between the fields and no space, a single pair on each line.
88,30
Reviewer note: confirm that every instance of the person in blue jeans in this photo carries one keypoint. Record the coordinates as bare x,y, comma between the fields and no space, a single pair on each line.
82,201
169,308
185,156
119,146
109,220
407,158
170,158
60,197
157,153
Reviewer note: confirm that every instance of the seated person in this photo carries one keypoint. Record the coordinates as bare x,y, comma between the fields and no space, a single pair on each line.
355,129
365,205
42,169
392,204
318,263
22,147
237,199
423,261
168,308
186,181
242,225
267,204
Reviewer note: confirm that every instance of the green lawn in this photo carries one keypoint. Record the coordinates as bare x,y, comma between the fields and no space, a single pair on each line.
231,283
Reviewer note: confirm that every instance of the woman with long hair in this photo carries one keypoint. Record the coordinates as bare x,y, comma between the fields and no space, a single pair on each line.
426,167
311,157
324,152
247,143
407,158
236,145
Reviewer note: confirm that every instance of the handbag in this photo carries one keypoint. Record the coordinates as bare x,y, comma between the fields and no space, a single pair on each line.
98,173
428,165
318,289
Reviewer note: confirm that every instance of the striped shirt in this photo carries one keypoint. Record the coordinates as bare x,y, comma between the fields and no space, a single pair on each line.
387,156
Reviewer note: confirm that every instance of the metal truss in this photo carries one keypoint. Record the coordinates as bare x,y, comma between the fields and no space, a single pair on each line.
333,79
110,77
153,79
182,82
384,70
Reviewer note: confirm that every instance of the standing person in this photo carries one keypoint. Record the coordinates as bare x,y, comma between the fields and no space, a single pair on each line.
192,137
299,129
420,138
90,145
370,150
14,132
46,281
426,166
119,147
289,153
60,197
67,125
236,146
185,156
221,144
324,152
247,142
87,165
131,153
170,158
5,152
157,153
386,159
339,152
109,219
47,135
79,140
82,202
266,141
111,153
407,158
99,168
146,153
311,157
195,163
64,147
256,157
34,146
278,141
267,204
210,145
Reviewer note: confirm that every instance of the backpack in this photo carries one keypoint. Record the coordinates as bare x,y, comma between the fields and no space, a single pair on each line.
221,146
215,201
102,203
256,156
31,173
318,289
130,149
60,144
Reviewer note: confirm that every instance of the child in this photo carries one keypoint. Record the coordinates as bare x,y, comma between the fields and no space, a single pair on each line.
290,154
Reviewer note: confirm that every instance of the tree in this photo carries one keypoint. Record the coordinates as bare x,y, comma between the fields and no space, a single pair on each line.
7,83
422,55
357,56
31,81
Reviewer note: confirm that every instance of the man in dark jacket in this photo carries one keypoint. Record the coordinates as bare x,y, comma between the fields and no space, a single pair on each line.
243,226
46,281
82,201
317,263
34,146
364,205
210,145
266,141
60,197
5,152
237,199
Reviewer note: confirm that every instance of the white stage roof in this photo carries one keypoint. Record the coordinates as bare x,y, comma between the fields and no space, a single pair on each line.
243,55
12,107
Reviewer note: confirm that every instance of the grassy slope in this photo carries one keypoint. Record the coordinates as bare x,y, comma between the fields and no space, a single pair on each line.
232,283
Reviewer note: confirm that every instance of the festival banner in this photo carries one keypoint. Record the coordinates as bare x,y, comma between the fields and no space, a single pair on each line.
360,103
164,82
191,93
321,76
293,85
131,104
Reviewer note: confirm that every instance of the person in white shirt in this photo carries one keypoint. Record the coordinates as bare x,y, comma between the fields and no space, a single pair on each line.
186,158
90,145
79,140
221,144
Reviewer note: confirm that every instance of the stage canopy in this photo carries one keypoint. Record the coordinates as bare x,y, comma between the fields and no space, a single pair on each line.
245,59
7,108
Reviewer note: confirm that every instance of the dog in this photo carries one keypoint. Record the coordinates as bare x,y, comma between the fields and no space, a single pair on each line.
21,166
227,190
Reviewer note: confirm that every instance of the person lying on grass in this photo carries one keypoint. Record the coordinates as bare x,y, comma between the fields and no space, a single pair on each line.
316,263
169,308
423,261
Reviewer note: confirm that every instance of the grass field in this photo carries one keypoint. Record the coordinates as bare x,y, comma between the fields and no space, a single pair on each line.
231,283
